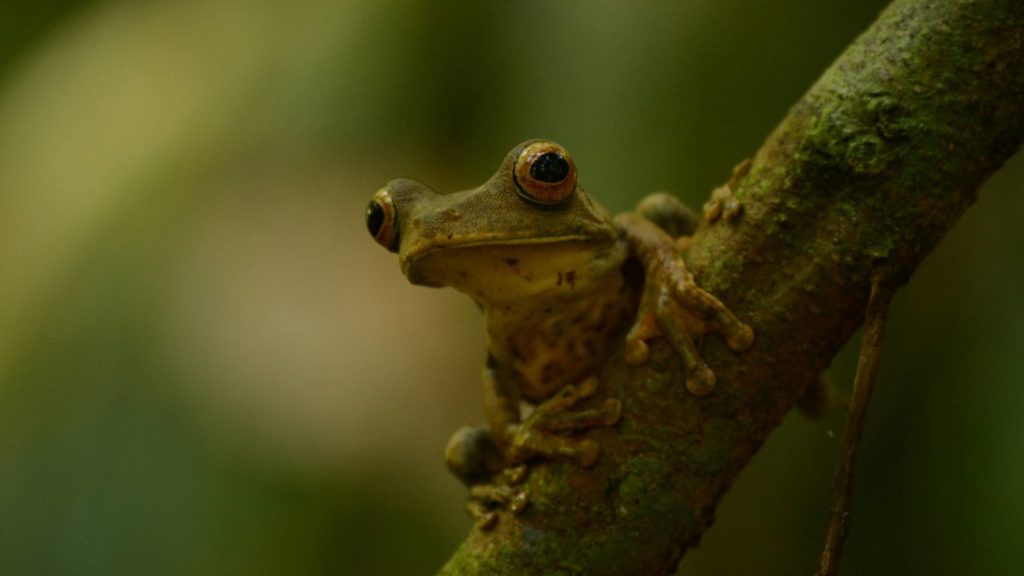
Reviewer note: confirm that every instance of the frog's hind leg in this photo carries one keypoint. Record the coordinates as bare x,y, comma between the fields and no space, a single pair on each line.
555,415
493,467
474,458
543,432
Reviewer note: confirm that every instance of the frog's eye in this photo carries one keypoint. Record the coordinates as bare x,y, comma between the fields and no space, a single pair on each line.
544,173
380,220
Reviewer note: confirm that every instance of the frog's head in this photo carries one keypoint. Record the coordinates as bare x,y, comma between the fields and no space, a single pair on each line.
526,230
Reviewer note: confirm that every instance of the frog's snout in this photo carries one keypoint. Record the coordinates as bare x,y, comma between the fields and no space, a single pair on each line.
381,220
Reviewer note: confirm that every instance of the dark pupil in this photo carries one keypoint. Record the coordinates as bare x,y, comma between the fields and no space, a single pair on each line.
374,217
551,167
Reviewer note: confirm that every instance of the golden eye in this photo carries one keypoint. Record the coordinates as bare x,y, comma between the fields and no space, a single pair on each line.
545,174
380,220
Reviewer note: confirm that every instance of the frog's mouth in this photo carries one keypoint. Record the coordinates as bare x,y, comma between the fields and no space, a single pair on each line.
425,248
501,269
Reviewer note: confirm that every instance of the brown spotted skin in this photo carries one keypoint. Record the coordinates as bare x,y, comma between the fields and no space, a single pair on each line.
545,348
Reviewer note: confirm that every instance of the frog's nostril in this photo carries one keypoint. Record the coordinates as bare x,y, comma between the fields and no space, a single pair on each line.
375,217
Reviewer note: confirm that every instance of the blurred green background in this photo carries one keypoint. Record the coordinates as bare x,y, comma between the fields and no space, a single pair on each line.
208,367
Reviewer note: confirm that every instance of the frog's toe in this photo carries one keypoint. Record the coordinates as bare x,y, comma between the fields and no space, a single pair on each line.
485,519
647,324
722,205
562,418
587,453
582,451
713,314
645,328
549,431
637,352
741,338
487,500
587,388
611,411
700,380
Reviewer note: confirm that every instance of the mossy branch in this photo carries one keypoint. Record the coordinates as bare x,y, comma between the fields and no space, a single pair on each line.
868,171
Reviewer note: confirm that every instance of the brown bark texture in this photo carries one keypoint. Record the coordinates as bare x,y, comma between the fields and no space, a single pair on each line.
866,173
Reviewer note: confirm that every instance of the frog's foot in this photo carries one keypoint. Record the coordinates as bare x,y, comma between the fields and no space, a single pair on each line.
544,432
487,500
474,458
674,306
722,203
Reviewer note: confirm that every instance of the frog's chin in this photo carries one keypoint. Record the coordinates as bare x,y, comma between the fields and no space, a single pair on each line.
512,271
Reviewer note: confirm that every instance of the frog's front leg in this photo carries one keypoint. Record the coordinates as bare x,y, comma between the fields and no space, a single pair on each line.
545,432
674,306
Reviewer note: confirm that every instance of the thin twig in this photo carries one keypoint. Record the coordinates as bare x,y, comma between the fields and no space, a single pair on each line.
863,384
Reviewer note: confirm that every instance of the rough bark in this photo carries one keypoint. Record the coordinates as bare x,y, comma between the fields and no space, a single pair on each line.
868,171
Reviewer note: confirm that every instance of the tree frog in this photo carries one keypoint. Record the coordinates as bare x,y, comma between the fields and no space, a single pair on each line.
559,281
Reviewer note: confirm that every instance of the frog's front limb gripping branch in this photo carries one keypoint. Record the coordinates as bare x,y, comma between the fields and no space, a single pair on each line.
674,306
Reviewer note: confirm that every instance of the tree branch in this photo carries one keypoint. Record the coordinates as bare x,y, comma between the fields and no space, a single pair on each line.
869,170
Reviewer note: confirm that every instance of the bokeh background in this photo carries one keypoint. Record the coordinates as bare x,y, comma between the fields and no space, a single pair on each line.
208,367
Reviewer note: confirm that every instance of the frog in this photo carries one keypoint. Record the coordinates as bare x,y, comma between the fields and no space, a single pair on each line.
560,282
